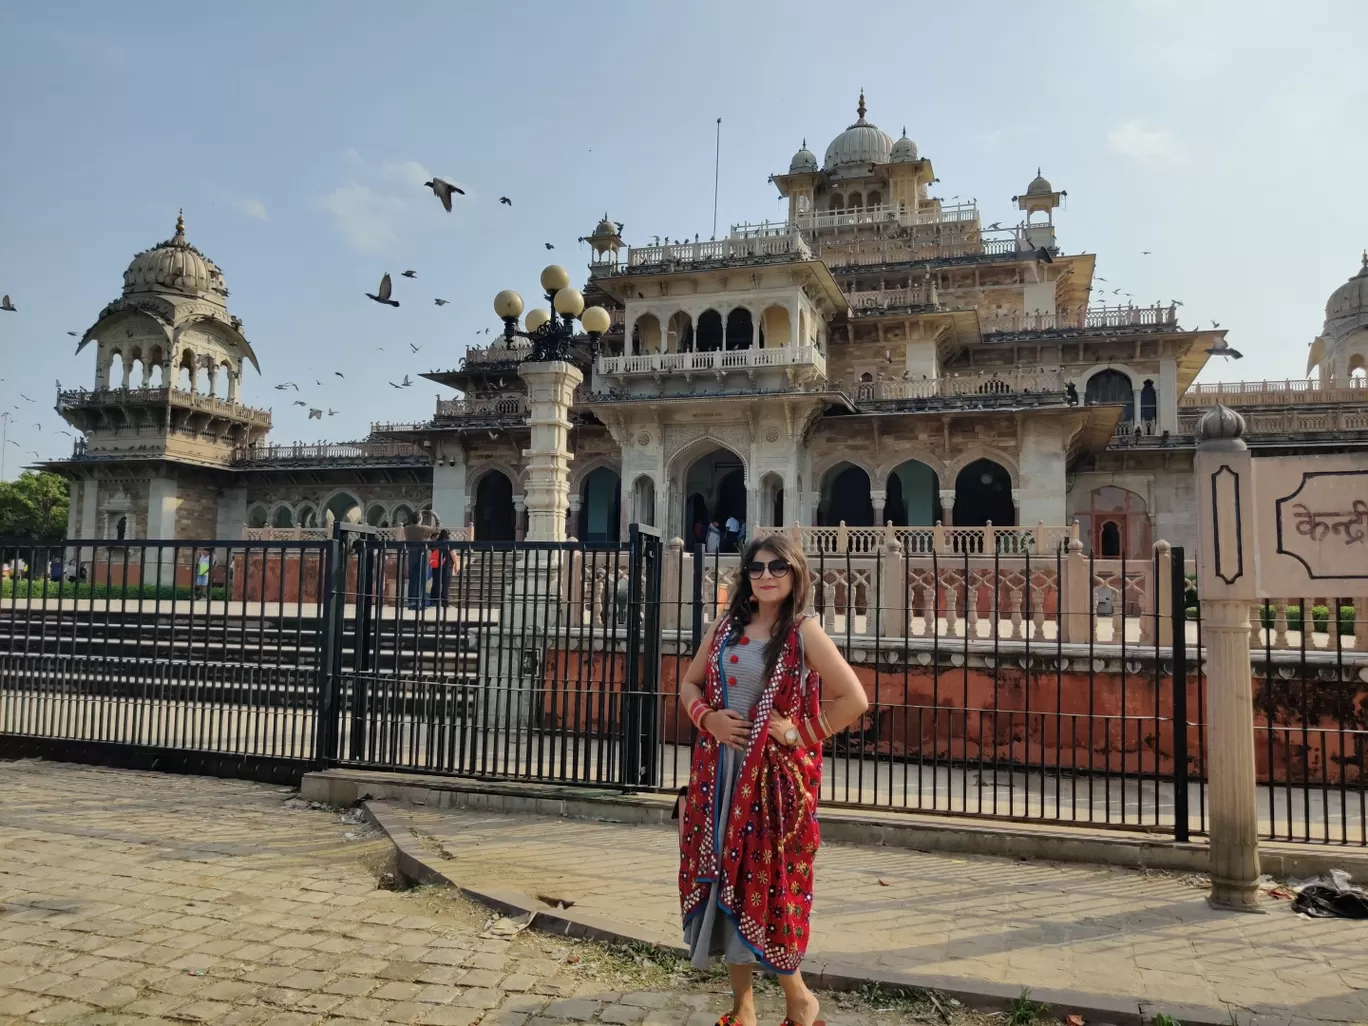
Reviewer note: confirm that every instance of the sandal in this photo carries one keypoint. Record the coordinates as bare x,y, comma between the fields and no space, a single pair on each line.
728,1020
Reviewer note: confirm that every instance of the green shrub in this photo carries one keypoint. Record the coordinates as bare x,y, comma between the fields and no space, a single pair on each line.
1320,618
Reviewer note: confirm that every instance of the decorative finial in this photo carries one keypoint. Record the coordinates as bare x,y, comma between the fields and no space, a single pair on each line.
1365,258
1038,174
904,131
860,110
1219,424
1365,255
180,223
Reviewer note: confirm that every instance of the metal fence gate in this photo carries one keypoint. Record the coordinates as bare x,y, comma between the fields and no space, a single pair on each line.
993,694
518,661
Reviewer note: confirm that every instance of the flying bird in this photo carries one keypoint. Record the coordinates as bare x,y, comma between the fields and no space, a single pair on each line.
1044,254
1100,278
38,426
1224,348
332,413
406,382
995,225
505,201
1214,324
14,443
67,433
5,304
315,414
318,383
1116,292
299,402
1145,252
386,287
440,302
74,334
414,348
443,190
340,375
287,384
410,274
25,398
548,245
35,454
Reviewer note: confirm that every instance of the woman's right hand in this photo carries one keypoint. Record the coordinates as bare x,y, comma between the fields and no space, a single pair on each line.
729,727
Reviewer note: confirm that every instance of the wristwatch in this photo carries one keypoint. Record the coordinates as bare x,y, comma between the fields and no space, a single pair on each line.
791,736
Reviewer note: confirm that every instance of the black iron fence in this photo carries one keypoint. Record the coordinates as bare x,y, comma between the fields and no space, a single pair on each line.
1057,688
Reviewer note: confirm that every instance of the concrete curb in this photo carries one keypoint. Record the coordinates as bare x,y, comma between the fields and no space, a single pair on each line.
418,865
842,826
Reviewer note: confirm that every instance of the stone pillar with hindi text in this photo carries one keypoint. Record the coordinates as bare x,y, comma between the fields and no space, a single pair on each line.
1227,590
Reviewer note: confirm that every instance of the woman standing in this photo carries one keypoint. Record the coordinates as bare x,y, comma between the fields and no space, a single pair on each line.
766,688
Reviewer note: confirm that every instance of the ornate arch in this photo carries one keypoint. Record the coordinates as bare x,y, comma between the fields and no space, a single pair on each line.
710,438
981,452
826,463
1081,382
937,465
580,471
477,472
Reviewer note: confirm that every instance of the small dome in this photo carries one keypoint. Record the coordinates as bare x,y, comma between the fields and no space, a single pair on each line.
904,150
803,160
604,228
861,144
175,266
1040,185
1347,307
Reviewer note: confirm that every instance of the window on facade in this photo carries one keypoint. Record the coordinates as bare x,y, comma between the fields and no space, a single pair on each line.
121,529
1116,523
1112,386
1149,406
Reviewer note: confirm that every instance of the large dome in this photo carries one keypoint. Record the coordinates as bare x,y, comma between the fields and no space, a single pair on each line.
1347,307
177,267
859,145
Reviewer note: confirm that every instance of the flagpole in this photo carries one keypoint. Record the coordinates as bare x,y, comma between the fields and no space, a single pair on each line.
717,157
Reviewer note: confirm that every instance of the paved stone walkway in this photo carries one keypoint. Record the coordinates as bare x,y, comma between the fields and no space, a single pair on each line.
154,899
1089,930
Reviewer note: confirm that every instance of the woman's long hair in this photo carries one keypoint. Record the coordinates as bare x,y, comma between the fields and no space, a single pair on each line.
742,605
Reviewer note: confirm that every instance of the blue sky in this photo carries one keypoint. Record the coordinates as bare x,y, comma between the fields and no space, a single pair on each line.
1227,138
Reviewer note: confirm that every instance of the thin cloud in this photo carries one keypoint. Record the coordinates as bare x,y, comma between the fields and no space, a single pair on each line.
1140,142
369,211
367,219
253,208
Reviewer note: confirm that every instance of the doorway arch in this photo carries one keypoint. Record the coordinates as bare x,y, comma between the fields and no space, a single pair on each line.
495,520
714,483
846,497
600,503
913,495
983,493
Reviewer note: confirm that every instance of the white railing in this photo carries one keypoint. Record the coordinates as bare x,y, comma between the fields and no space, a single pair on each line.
885,299
1271,393
391,534
1127,428
326,451
495,352
787,244
1094,317
172,396
714,360
505,404
1286,422
926,540
1045,379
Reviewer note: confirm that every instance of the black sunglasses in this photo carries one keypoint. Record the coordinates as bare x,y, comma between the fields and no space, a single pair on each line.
777,568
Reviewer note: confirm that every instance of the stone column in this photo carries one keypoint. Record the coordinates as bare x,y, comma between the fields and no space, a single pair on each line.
878,497
550,390
572,517
519,518
1016,506
1135,409
947,501
1167,397
1225,571
449,487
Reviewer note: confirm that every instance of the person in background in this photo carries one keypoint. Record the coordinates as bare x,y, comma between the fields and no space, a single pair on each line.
441,564
202,564
733,534
714,538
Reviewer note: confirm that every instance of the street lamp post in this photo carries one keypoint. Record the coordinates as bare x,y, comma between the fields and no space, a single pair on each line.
551,379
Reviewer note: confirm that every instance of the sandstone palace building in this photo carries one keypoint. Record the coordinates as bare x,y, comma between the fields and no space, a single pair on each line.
878,355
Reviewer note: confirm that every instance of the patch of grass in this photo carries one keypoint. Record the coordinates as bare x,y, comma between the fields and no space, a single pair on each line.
894,999
1164,1019
1024,1011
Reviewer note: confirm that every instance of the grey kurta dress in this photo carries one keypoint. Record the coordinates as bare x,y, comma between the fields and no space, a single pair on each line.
711,931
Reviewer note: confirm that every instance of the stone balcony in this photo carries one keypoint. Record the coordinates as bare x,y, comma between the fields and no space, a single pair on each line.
794,362
780,246
102,402
1039,387
1097,318
368,452
1293,392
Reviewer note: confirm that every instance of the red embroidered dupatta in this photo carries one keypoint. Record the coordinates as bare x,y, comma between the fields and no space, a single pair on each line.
764,871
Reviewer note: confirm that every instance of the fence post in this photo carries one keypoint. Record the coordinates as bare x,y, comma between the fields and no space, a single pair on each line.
1161,595
1076,595
331,608
1226,584
670,582
893,583
1176,622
